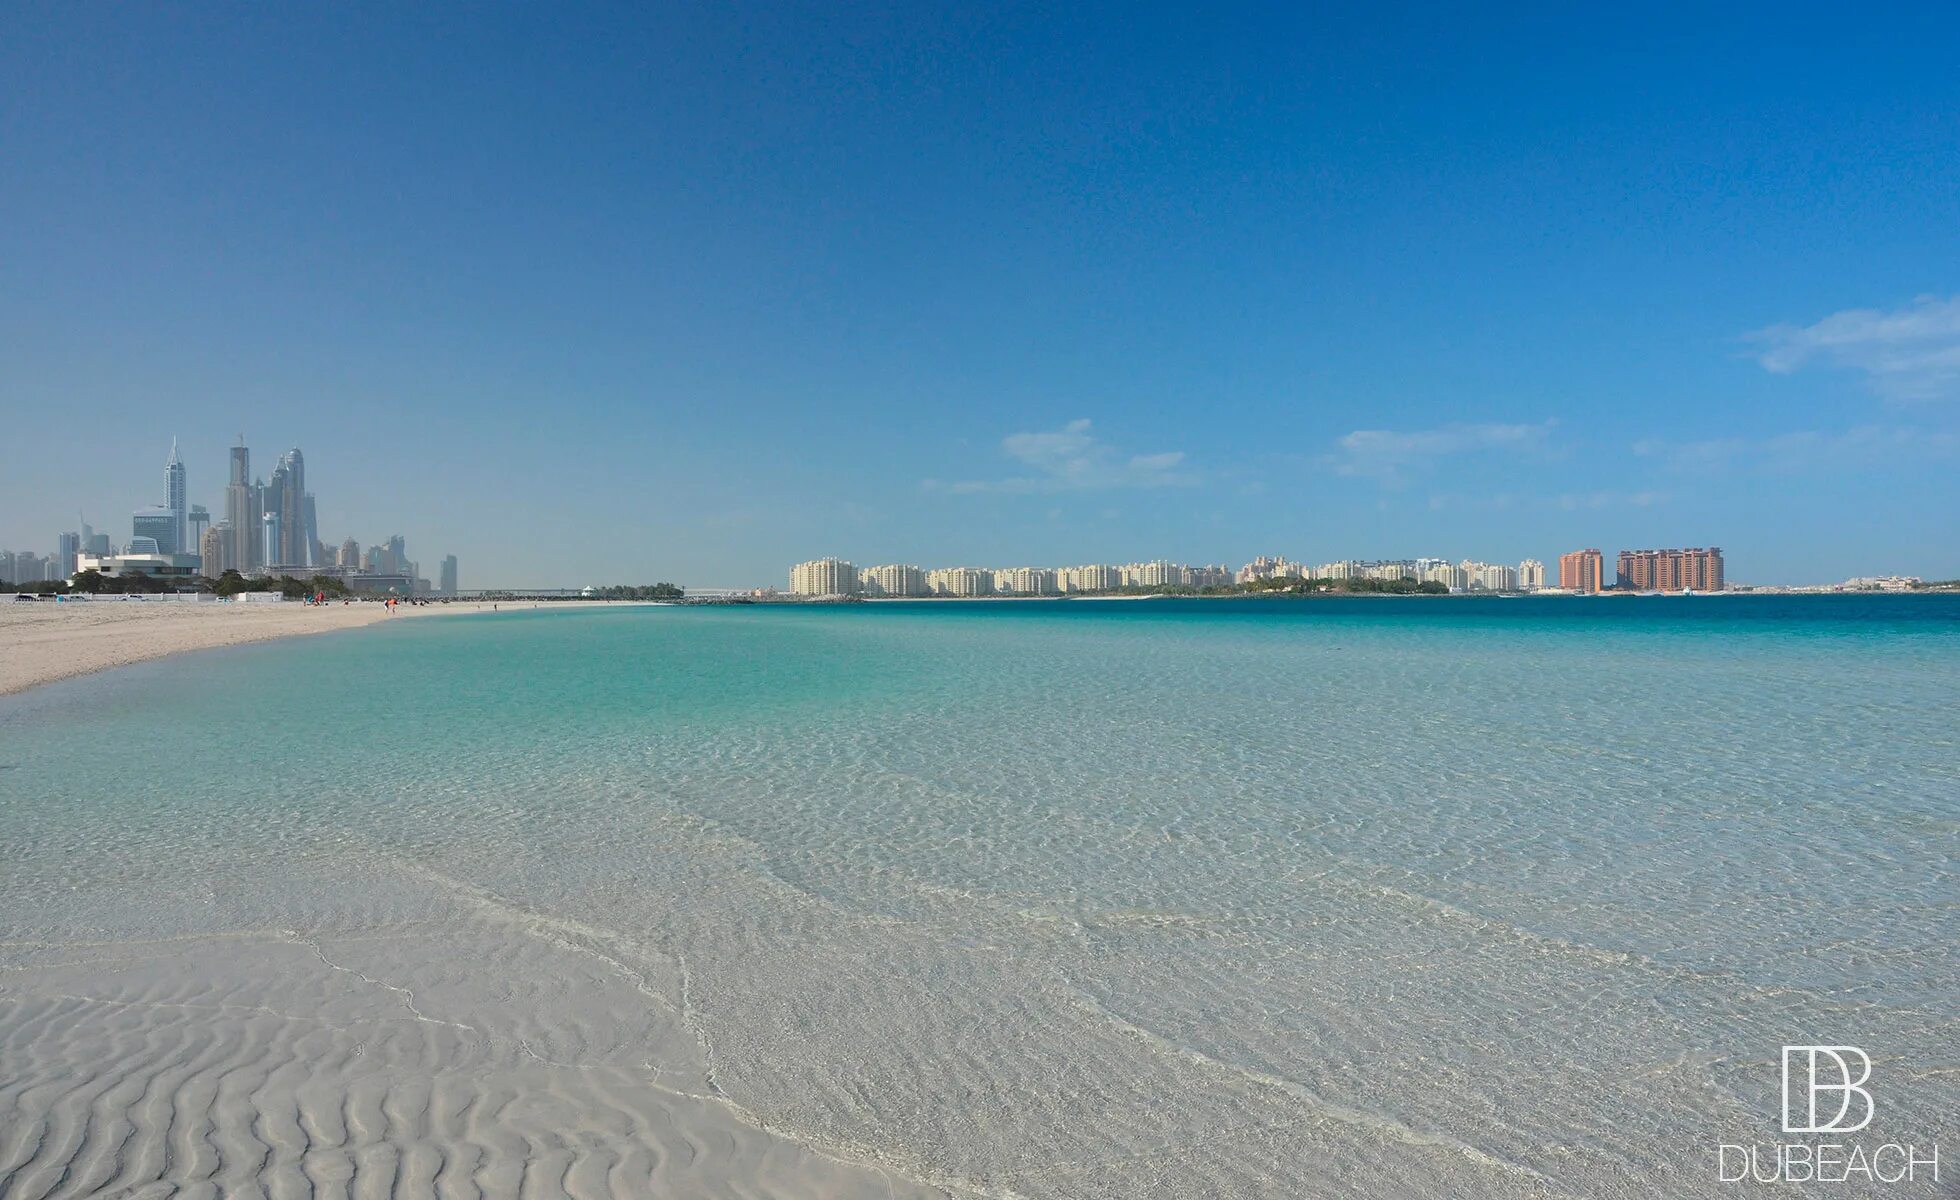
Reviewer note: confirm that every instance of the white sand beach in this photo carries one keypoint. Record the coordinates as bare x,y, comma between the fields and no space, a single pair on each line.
42,641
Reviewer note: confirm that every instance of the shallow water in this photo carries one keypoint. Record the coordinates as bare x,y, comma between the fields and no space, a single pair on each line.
1352,898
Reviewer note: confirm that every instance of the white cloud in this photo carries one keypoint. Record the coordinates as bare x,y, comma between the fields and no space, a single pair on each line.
1073,459
1809,450
1389,455
1910,353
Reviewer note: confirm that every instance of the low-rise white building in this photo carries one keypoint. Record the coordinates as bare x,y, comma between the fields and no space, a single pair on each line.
1265,567
1499,578
960,581
1881,583
142,562
823,577
1096,577
1024,581
1449,575
895,579
1158,573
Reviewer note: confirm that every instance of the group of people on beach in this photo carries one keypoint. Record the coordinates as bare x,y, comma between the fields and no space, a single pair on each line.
393,603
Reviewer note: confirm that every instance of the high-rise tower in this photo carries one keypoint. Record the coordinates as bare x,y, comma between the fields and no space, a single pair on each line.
277,490
241,513
290,504
176,498
200,519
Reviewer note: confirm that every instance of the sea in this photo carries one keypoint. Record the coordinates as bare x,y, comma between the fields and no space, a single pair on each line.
1288,897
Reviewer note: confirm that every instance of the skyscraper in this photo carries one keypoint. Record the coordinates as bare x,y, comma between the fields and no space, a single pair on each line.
449,575
158,524
258,523
70,549
286,496
214,550
176,499
278,490
200,521
350,554
241,512
1581,571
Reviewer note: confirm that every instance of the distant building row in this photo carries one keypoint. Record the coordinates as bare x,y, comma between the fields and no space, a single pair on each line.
839,577
1465,576
1693,570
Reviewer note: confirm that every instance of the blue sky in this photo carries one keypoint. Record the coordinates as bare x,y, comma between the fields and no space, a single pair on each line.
595,293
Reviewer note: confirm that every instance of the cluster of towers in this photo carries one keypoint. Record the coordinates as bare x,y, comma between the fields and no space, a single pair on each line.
266,526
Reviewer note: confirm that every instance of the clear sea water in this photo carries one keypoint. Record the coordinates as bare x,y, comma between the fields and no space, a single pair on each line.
1369,897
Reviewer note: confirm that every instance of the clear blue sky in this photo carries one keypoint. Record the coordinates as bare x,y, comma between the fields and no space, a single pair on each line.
612,294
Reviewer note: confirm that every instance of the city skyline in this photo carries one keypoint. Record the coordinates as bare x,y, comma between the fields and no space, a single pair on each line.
268,527
283,538
943,283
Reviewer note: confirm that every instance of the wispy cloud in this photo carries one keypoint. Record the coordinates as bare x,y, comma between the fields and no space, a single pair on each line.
1909,353
1392,455
1809,450
1578,501
1074,459
1567,501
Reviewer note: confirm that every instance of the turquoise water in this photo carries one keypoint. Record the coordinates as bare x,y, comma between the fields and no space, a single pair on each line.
1265,897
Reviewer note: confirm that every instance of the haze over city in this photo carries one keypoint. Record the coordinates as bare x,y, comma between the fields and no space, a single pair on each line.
602,296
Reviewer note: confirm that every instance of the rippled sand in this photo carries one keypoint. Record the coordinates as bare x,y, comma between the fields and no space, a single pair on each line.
486,1052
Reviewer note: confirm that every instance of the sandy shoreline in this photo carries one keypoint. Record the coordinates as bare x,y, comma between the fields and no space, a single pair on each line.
42,641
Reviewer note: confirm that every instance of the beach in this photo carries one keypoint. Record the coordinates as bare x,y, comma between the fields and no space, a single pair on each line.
1498,899
42,641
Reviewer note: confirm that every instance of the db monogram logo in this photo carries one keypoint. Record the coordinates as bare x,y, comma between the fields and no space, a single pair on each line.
1826,1082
